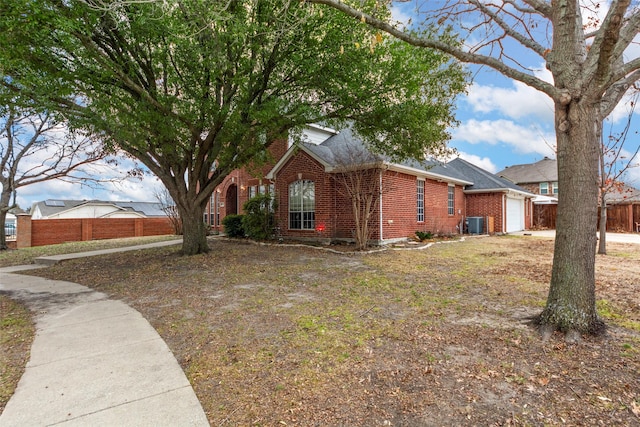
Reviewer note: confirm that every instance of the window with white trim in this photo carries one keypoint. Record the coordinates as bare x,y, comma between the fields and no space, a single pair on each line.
420,200
302,205
451,200
554,187
544,188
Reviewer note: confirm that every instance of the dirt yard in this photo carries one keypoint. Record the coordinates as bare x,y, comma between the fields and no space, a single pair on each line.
279,335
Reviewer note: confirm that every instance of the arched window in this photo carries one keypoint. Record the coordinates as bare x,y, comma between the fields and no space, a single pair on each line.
302,205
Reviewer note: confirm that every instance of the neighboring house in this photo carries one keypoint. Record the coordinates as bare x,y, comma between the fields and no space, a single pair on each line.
61,209
541,178
538,178
430,196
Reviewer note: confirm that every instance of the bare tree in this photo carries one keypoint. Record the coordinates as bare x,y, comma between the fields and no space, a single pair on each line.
591,74
35,148
169,208
359,179
615,161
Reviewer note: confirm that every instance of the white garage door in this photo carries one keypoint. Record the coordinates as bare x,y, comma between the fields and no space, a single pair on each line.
515,214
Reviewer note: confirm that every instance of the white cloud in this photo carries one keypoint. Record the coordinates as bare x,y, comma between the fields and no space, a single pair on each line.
519,101
620,113
525,140
400,16
482,162
124,190
632,177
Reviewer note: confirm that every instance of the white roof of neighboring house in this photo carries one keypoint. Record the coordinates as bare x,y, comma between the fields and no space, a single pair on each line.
56,208
545,200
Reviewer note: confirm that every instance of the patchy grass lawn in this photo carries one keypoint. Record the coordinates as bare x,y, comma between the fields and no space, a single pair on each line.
278,335
16,336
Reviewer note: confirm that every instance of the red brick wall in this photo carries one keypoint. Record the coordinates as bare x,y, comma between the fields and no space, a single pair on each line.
242,179
484,205
528,213
399,209
54,231
303,166
343,216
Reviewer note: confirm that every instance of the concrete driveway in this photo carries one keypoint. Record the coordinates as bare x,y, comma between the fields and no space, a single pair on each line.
611,237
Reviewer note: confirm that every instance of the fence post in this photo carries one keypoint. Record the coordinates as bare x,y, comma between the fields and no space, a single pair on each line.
23,230
87,229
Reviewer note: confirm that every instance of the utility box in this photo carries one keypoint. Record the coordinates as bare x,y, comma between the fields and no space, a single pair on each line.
474,225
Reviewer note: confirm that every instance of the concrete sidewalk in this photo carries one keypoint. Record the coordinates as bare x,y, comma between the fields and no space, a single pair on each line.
94,362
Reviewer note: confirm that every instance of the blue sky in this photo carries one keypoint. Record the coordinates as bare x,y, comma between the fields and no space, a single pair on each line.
502,123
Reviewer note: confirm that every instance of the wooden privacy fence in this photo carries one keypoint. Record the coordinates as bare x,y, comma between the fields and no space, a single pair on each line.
620,218
41,232
544,216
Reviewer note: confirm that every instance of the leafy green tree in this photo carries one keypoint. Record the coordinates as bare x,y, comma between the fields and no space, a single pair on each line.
197,89
585,46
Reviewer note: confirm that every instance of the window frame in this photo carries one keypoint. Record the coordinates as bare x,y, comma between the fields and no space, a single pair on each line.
544,188
302,219
451,200
420,185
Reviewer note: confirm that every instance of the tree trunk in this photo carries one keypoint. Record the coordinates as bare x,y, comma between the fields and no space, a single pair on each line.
570,306
3,235
602,243
5,200
194,234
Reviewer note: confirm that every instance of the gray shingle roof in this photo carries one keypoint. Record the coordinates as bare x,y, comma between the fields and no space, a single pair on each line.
546,170
482,179
345,149
627,194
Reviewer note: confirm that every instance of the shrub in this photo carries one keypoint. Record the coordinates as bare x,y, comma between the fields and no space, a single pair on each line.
259,219
233,226
424,235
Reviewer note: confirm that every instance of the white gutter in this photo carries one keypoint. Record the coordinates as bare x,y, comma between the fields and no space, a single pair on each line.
426,174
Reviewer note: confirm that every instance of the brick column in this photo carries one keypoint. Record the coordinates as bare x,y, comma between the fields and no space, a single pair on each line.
23,231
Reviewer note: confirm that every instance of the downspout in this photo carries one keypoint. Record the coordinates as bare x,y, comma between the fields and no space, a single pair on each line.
380,206
504,213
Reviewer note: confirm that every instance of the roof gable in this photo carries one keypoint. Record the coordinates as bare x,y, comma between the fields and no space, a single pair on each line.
345,150
545,170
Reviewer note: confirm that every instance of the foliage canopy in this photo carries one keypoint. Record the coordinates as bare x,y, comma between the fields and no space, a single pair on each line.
196,89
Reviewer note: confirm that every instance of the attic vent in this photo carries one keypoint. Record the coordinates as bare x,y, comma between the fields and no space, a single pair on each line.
54,203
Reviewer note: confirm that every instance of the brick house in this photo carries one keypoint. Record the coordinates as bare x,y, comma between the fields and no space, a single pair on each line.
538,178
313,204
